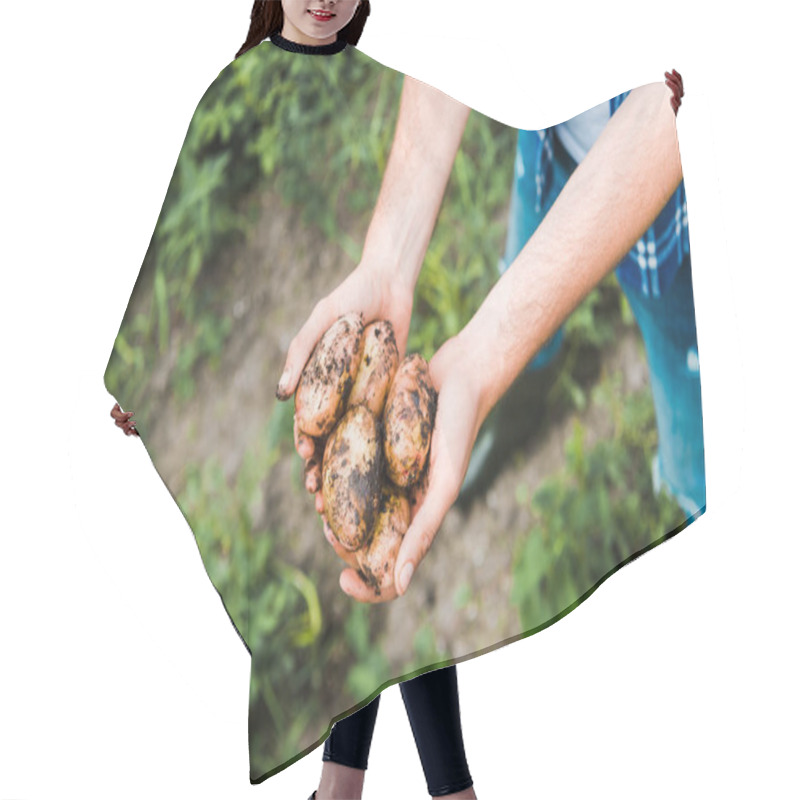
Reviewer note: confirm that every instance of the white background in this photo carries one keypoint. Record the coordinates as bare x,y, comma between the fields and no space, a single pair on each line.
120,673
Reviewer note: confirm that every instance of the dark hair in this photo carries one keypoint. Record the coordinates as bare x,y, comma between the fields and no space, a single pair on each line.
266,19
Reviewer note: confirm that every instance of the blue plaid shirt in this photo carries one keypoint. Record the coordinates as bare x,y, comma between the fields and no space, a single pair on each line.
652,262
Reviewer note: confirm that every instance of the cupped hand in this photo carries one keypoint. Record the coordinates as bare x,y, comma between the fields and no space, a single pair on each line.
371,289
458,419
350,580
374,291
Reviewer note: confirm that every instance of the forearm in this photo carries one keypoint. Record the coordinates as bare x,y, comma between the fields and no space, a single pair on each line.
610,200
429,128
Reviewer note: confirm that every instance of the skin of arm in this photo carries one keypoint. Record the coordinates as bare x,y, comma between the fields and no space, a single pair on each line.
609,201
429,129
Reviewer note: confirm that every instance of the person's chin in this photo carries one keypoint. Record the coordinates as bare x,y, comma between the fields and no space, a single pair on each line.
318,40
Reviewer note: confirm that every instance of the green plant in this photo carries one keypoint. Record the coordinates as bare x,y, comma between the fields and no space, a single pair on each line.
272,603
595,514
371,666
261,122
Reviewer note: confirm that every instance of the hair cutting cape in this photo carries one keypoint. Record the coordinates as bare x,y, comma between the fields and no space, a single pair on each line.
600,453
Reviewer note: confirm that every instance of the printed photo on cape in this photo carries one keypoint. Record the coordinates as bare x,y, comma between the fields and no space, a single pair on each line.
594,456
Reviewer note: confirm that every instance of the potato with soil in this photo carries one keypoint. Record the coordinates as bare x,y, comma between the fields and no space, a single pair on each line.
352,468
408,419
376,560
378,366
324,386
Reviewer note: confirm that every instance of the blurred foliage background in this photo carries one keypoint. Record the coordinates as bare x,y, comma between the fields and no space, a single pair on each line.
259,125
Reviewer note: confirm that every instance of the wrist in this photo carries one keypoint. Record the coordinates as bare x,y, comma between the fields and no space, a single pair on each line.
496,346
390,266
469,355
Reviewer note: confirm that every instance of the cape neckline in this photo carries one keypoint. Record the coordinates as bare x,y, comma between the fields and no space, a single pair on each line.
309,49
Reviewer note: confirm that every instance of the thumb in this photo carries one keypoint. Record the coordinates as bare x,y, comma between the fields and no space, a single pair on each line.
302,345
424,527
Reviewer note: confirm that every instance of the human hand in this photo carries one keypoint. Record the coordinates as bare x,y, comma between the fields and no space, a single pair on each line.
458,419
368,289
675,82
371,289
122,419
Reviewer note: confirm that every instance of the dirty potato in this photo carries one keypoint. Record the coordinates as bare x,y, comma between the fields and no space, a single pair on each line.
376,560
408,419
352,466
324,386
378,365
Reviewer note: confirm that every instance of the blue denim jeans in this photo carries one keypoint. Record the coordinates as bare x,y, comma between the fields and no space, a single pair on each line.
667,325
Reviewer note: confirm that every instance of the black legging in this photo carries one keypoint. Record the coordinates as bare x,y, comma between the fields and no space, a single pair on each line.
432,706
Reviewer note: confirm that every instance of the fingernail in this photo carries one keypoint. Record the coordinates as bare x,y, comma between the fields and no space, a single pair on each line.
283,383
405,576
